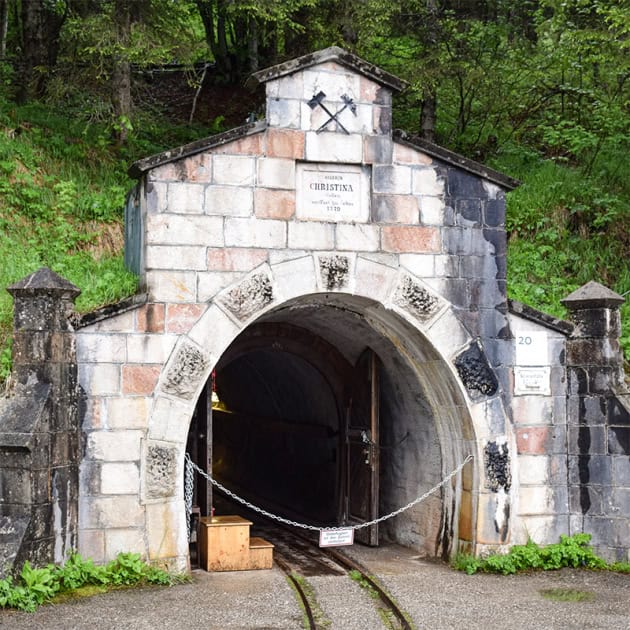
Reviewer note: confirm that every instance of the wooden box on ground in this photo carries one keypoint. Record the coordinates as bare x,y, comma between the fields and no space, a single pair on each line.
225,545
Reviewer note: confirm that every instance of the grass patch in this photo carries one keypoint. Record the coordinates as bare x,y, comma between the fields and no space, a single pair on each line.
319,616
567,595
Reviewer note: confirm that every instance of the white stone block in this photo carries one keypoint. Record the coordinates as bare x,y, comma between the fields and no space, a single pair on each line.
281,255
374,280
100,348
255,233
179,257
392,179
114,446
129,540
535,500
333,84
421,265
169,420
533,469
171,286
92,544
447,333
147,348
276,173
127,413
99,379
166,530
283,113
426,182
110,512
120,478
291,87
333,147
357,237
229,201
310,235
214,332
209,284
157,197
237,170
294,278
431,210
184,198
171,229
123,322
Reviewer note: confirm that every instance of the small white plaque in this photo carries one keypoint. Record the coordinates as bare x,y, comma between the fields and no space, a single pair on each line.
531,348
332,192
336,537
532,380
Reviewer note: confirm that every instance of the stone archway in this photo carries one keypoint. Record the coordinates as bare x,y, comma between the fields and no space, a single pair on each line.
424,336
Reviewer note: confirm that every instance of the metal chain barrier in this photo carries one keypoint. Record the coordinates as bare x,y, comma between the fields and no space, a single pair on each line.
188,493
189,488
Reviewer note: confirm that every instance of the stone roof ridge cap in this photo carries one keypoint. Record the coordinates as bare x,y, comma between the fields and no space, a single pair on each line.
591,295
332,53
45,280
540,317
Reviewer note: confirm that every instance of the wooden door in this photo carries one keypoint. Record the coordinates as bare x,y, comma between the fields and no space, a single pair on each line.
199,447
362,448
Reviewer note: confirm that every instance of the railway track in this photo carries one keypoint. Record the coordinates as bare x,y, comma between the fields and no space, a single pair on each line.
300,557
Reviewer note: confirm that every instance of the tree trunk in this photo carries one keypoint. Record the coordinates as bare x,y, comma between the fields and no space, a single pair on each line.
121,72
428,115
40,40
4,27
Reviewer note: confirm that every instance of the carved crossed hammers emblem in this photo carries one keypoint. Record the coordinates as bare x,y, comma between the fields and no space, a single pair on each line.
318,101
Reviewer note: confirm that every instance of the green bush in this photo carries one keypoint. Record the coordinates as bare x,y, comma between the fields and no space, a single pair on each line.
38,586
572,551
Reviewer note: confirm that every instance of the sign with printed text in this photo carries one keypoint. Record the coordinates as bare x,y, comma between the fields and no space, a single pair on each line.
532,380
336,537
329,192
531,348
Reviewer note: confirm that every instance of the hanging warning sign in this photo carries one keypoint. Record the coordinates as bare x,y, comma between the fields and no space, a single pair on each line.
336,537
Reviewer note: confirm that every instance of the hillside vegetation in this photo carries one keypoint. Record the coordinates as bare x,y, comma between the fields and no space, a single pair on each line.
539,90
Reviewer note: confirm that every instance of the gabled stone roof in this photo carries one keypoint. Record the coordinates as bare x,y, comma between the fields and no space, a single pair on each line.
592,295
336,54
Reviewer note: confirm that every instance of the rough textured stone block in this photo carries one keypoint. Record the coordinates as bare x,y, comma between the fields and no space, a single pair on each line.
285,143
160,470
395,209
235,170
139,379
185,371
274,204
311,235
333,147
255,233
335,271
410,239
120,478
251,295
180,318
185,198
171,229
229,201
276,173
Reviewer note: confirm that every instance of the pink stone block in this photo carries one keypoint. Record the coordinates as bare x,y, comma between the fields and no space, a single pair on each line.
139,379
249,145
285,143
368,89
235,258
180,318
532,440
274,204
406,155
416,239
150,318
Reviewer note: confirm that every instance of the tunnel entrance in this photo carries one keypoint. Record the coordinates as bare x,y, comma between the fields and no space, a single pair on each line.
315,414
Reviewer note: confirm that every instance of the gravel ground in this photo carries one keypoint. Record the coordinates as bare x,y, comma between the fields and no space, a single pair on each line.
435,596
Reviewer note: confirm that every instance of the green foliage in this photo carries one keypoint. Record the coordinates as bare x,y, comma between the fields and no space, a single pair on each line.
37,586
572,551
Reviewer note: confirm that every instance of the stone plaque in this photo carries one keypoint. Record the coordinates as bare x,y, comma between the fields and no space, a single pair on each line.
332,192
531,348
532,380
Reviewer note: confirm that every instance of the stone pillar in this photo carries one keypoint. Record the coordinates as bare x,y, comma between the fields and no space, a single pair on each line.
39,427
599,466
